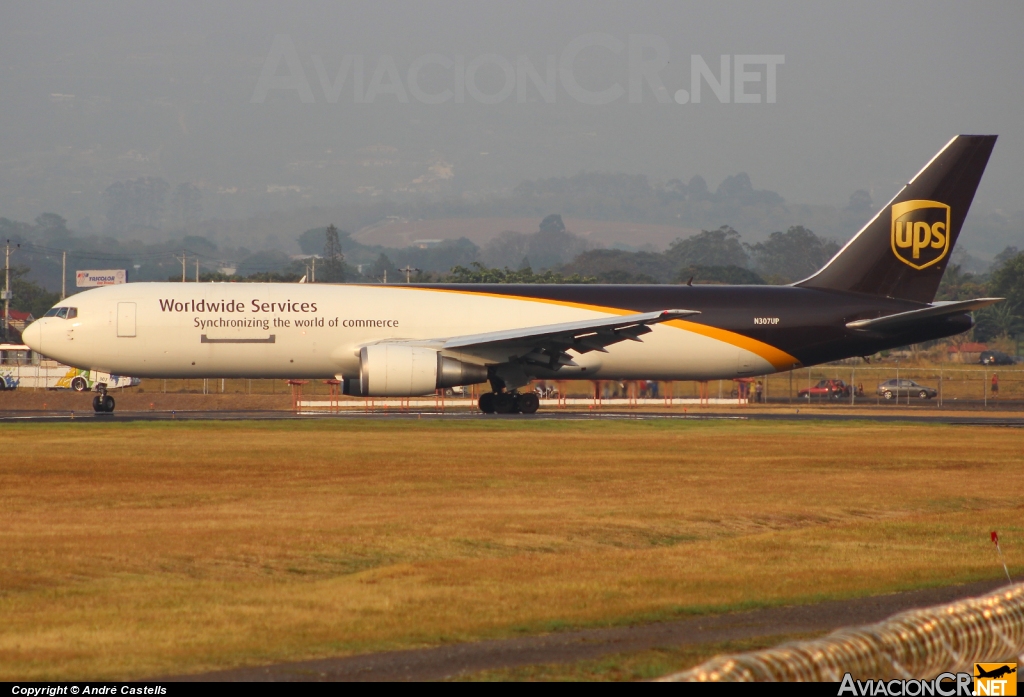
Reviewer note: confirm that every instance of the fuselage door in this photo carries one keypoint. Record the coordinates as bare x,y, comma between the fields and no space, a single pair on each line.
126,319
744,362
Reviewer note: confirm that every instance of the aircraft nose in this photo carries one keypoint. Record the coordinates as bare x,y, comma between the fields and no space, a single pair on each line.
33,337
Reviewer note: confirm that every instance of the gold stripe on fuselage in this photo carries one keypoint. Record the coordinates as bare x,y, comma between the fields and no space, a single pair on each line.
775,356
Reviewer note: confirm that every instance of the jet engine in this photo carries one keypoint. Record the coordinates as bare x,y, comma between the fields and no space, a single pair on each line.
394,370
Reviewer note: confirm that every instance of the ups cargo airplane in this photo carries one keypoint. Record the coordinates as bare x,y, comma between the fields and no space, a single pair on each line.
404,340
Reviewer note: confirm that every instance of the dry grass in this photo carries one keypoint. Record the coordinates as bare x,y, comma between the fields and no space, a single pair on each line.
143,549
638,665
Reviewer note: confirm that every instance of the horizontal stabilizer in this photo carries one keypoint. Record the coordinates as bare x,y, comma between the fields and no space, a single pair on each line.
905,319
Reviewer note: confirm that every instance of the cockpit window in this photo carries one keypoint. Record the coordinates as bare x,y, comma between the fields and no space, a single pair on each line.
62,312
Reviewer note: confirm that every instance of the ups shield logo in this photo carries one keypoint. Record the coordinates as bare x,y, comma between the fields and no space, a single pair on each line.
920,232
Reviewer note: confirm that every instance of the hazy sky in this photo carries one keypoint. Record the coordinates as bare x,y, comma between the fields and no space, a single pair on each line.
95,92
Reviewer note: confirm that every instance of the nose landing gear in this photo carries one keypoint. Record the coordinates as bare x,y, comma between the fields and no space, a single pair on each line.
102,403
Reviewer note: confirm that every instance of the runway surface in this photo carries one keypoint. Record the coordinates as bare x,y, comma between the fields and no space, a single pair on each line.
956,418
565,647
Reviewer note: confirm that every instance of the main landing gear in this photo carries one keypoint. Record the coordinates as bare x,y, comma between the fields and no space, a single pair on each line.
102,403
509,403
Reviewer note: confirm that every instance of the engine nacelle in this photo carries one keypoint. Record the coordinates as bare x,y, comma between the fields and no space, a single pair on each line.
393,370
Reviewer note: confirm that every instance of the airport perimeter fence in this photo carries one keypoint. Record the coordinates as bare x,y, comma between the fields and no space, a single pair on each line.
943,386
953,385
919,644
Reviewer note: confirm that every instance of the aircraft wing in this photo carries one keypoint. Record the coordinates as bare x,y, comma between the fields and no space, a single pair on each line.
904,319
547,344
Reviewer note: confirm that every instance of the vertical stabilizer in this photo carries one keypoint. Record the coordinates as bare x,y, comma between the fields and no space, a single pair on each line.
903,251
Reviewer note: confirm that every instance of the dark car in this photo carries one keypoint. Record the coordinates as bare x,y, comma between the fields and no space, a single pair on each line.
894,389
995,358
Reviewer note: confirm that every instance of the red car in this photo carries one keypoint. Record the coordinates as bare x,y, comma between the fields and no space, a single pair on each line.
826,389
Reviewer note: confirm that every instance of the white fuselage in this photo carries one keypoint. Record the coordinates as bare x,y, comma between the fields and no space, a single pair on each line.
182,330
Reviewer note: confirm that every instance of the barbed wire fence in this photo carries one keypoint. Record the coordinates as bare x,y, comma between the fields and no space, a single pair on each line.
914,644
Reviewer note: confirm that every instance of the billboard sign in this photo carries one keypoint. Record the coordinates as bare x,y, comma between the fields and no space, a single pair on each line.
109,277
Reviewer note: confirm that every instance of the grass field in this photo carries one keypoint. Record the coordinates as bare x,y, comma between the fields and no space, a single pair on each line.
131,550
639,665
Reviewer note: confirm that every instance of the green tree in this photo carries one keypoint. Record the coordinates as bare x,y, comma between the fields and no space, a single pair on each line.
721,247
1007,282
385,268
1000,321
52,229
28,296
793,255
1004,256
957,284
478,273
619,266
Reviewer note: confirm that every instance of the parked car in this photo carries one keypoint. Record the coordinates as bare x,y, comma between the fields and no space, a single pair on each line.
995,358
826,389
894,389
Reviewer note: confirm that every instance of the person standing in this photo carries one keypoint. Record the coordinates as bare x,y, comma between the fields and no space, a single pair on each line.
995,385
758,389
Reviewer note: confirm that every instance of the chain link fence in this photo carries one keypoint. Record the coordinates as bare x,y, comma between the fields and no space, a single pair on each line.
941,386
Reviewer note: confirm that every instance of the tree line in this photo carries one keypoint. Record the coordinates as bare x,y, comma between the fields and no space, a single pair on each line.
552,254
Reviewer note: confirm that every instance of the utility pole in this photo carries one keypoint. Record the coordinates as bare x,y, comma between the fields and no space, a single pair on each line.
312,278
197,269
183,258
408,271
7,294
63,275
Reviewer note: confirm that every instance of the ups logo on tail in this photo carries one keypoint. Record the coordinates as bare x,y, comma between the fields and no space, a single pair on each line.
920,232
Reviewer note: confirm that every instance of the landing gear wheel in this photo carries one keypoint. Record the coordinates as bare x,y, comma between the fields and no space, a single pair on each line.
79,384
505,403
103,404
486,403
528,403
